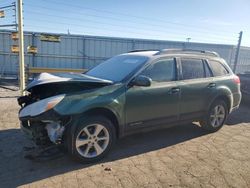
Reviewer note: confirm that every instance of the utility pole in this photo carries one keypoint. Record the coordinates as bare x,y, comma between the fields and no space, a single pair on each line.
237,52
21,46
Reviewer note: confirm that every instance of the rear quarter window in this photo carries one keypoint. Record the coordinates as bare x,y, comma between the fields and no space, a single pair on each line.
217,68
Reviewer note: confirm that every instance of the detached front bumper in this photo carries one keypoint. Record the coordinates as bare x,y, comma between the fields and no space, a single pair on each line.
35,131
44,129
25,129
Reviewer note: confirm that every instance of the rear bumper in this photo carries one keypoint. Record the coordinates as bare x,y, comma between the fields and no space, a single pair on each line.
235,108
236,101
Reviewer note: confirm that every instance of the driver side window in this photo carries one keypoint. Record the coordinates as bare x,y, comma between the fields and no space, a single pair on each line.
161,71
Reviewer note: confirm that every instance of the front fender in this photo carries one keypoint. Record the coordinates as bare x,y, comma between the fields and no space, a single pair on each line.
110,97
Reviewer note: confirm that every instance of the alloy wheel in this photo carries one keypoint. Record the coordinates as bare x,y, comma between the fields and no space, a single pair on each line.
92,140
217,115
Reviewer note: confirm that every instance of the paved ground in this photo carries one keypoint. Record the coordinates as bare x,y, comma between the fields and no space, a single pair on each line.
183,156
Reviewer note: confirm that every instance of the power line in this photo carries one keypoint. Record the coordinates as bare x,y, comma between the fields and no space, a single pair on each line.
93,27
74,31
119,13
8,25
115,18
6,7
116,30
94,21
176,33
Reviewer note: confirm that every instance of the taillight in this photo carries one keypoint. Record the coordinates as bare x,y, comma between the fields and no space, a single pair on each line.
236,79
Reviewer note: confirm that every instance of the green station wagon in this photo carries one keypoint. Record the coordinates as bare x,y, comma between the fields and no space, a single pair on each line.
129,93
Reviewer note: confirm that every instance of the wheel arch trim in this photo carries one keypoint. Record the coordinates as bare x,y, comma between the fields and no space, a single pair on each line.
227,98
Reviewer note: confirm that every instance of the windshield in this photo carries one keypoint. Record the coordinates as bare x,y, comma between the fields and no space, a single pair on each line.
117,68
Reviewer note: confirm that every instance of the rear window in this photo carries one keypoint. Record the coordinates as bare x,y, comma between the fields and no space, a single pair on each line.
217,68
192,69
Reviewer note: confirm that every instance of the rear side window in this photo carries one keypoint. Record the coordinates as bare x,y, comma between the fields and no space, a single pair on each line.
217,68
161,71
192,69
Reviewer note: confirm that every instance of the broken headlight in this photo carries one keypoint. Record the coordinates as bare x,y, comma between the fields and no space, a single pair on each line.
41,106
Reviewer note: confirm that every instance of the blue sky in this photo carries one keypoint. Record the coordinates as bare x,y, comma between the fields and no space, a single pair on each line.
211,21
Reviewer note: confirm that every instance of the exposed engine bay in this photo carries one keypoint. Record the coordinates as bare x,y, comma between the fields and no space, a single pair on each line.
38,119
52,89
45,133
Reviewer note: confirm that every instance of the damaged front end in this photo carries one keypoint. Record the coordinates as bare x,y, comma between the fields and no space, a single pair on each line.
39,120
41,123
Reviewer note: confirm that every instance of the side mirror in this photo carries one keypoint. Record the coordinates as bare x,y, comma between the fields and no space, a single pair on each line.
141,81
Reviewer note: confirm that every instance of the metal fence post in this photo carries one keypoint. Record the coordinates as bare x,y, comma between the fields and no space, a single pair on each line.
237,52
133,44
21,47
33,44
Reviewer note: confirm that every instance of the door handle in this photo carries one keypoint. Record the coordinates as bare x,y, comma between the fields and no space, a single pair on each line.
211,85
174,90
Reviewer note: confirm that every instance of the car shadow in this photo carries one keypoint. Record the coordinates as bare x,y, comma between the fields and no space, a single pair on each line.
17,171
241,115
8,97
9,82
154,140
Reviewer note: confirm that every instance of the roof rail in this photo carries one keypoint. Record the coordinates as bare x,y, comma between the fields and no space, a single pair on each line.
143,50
187,51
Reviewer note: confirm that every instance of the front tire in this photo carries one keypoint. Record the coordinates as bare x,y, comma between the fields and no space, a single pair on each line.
215,117
92,140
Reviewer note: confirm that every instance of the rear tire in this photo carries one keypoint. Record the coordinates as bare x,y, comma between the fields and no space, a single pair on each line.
215,117
92,139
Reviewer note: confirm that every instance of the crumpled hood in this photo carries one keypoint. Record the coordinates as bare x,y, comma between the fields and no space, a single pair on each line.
46,78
